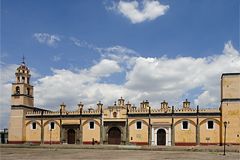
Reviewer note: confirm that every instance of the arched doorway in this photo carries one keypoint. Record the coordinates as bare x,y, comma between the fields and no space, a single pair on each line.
114,136
161,137
71,136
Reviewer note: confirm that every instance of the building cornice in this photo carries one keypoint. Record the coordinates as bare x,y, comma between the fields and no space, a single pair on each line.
230,74
230,100
27,107
15,95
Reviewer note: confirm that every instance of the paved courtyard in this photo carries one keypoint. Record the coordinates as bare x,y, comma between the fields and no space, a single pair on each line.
98,154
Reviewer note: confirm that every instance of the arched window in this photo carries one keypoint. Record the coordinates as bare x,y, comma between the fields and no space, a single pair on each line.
51,126
23,79
34,125
28,91
91,125
139,125
210,124
17,90
115,114
185,125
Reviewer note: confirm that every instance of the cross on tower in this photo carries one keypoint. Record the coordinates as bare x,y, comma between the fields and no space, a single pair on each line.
23,59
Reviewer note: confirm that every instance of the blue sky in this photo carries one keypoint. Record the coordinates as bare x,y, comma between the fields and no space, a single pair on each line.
135,49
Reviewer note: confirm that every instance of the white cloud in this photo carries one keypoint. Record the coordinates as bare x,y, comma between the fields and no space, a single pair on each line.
105,68
137,12
73,86
173,78
45,38
205,98
230,50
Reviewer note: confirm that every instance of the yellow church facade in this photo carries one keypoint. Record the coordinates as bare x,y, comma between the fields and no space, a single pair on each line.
123,123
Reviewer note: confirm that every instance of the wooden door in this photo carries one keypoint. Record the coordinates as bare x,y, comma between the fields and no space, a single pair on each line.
71,136
161,137
114,136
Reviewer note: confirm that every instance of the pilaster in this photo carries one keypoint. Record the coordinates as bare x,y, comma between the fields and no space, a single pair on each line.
173,129
149,127
101,129
198,128
80,131
127,128
42,129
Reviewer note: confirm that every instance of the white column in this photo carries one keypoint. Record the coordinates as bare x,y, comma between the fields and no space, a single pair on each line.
153,137
169,137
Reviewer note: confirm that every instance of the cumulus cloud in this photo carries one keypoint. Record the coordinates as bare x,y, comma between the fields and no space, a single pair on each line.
74,86
173,78
105,68
137,12
45,38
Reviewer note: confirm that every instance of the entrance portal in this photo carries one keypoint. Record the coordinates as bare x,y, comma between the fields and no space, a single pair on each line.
114,136
161,137
71,136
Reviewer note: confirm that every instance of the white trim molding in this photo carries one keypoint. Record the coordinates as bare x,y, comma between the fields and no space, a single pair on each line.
168,134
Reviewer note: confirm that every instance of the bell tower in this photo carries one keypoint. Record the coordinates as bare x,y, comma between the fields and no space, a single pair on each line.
22,91
21,103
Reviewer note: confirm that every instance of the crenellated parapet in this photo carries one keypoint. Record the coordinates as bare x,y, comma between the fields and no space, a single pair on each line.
62,113
91,112
32,113
209,110
39,113
138,111
162,110
130,109
189,110
70,113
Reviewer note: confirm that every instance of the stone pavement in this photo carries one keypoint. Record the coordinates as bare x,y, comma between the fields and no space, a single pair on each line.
210,148
72,152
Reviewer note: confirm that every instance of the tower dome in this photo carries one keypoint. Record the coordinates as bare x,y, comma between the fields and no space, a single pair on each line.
22,74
